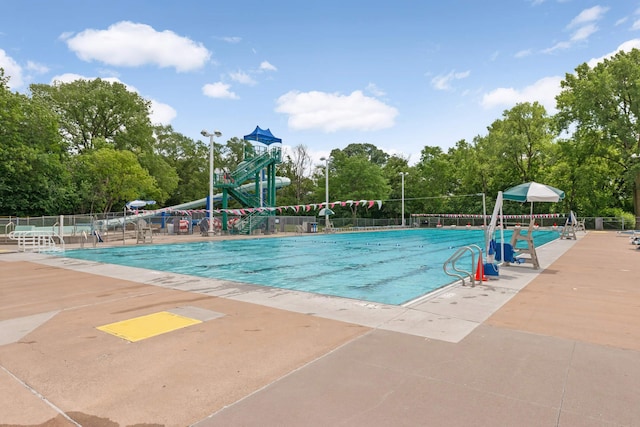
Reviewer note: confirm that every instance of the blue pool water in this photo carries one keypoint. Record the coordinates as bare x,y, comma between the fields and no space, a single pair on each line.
390,267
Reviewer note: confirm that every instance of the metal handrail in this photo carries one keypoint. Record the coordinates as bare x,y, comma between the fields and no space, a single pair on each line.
36,240
459,272
6,228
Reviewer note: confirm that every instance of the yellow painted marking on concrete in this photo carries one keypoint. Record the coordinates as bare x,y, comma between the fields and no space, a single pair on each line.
148,326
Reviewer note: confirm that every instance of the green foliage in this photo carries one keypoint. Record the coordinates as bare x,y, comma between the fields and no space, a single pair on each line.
628,217
296,165
112,178
33,177
369,151
91,109
164,174
601,106
190,161
88,146
356,178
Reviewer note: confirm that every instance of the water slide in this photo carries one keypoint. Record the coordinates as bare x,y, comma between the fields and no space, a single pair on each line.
280,182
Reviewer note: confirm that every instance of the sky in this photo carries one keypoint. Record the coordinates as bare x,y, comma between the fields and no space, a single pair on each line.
400,75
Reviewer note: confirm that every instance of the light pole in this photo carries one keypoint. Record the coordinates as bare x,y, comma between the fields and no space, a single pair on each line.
211,135
403,174
484,217
326,192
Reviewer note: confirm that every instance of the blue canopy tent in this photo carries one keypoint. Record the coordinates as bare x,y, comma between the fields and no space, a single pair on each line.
262,135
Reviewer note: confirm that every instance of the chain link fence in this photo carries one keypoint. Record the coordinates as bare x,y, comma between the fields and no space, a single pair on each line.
123,225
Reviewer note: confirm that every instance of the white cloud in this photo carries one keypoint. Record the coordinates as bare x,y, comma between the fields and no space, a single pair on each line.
218,90
232,40
159,113
587,16
523,53
443,82
543,91
583,27
373,89
11,69
266,66
621,21
331,112
70,77
584,32
37,68
624,47
242,78
636,25
129,44
558,46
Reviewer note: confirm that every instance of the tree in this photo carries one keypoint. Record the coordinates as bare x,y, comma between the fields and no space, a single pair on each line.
602,104
584,178
92,109
356,178
296,166
165,175
435,180
391,171
33,177
190,161
517,149
111,178
370,151
231,154
523,137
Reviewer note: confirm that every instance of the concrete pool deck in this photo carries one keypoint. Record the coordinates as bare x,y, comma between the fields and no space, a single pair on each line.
558,346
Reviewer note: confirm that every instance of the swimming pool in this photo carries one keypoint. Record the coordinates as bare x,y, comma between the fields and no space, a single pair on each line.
390,267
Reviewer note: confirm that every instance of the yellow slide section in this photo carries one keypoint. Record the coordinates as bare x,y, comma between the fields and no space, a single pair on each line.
148,326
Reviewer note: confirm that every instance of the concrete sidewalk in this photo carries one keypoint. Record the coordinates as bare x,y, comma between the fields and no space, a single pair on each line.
558,348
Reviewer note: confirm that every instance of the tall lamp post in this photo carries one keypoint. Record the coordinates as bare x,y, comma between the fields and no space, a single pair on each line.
216,133
484,217
403,174
326,192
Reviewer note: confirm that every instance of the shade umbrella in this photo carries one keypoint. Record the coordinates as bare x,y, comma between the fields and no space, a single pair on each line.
325,211
134,204
533,192
530,192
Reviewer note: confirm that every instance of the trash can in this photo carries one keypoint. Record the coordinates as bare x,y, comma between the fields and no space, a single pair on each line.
599,224
183,227
312,227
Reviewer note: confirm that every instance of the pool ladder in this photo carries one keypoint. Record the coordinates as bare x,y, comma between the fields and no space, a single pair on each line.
452,269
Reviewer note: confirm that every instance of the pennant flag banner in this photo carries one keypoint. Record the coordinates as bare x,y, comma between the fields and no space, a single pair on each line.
295,208
555,215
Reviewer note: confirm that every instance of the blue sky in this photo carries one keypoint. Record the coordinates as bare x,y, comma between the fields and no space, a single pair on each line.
398,74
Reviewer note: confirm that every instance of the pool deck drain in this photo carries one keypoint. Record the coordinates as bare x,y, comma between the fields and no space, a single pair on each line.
554,347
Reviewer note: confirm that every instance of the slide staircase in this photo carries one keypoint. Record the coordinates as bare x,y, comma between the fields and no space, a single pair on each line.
257,161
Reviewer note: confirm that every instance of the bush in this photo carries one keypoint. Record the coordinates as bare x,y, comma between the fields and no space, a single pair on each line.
628,217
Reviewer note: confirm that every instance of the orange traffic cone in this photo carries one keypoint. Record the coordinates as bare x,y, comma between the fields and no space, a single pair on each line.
480,271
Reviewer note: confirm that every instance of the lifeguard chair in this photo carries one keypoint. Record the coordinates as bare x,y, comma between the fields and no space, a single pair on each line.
569,229
526,254
144,233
